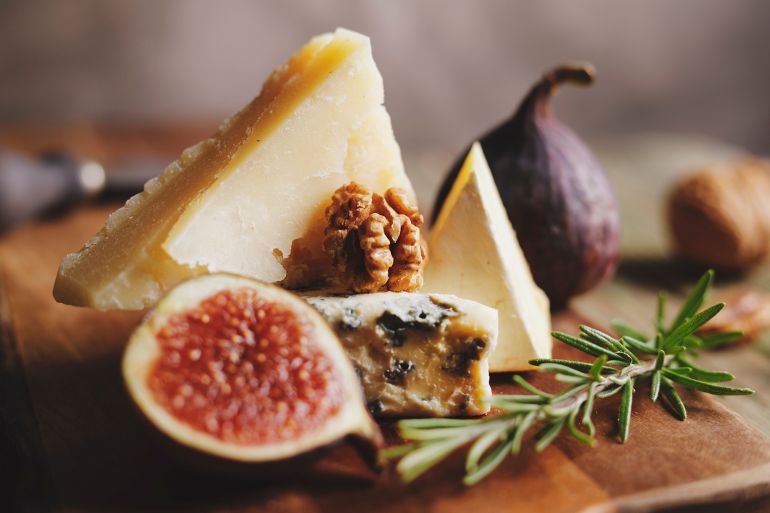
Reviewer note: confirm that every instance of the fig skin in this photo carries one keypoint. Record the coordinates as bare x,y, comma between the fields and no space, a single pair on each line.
213,455
555,193
367,466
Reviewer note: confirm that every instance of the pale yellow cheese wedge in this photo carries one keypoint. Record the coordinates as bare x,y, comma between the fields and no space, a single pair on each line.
474,254
250,200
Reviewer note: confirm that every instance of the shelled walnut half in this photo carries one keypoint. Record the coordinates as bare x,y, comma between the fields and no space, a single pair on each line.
375,241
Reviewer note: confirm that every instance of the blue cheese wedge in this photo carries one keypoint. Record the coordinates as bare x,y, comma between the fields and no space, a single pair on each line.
416,354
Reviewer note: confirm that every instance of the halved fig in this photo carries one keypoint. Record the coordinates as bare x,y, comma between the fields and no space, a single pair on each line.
244,372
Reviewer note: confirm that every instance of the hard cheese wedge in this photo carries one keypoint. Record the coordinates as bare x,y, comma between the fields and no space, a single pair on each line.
475,255
250,200
416,354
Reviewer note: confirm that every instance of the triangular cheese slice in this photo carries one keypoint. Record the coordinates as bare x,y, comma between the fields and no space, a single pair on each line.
250,200
474,254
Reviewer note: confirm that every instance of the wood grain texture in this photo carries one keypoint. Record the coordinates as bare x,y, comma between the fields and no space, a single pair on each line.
29,484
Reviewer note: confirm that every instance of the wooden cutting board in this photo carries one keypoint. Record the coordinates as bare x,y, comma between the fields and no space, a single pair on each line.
77,445
72,443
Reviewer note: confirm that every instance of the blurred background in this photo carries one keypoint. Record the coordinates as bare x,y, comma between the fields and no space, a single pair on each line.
130,78
451,69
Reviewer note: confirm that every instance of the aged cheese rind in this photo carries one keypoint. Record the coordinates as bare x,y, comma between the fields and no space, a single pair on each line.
244,199
474,254
416,354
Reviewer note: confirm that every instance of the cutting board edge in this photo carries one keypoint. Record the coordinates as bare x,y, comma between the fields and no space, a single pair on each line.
747,484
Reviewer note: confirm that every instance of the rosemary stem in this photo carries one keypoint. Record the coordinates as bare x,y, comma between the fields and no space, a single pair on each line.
630,372
618,364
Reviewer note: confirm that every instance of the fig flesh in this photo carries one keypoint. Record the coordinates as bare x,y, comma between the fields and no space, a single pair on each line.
245,372
555,193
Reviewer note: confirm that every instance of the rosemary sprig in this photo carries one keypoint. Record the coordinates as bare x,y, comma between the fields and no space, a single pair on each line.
619,364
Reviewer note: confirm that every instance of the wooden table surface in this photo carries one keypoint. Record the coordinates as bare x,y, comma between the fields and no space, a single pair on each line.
66,464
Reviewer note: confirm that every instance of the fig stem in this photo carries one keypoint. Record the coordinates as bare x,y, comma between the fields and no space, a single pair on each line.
579,74
538,99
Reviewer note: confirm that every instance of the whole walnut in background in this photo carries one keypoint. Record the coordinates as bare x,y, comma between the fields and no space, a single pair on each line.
720,216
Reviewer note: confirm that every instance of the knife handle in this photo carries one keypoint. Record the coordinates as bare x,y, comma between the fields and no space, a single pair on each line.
30,187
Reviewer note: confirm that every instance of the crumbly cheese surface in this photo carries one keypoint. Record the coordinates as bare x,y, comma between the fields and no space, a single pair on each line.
416,354
474,254
251,199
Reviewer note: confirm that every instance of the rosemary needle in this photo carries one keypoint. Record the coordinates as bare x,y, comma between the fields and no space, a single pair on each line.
619,363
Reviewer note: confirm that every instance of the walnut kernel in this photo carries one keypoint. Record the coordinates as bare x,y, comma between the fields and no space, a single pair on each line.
375,241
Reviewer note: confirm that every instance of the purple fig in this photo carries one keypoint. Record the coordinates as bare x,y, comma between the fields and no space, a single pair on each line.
556,195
